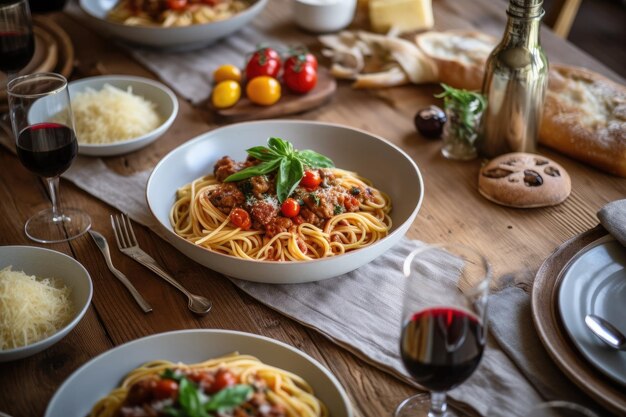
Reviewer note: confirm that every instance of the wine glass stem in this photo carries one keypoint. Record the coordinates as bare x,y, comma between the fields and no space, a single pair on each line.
438,404
53,188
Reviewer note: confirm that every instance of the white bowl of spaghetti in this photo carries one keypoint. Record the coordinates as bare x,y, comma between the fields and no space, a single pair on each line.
386,182
301,380
187,30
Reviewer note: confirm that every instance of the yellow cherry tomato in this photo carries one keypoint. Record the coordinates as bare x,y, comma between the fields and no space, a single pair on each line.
226,94
263,90
226,73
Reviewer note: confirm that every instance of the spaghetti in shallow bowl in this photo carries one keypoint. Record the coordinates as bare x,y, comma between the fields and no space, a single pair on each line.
360,207
218,368
177,30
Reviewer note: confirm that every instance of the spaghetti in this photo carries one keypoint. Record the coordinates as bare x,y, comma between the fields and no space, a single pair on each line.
344,213
243,384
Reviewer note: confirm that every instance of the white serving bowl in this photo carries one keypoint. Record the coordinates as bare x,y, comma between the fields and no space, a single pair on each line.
45,263
322,16
387,166
154,91
171,38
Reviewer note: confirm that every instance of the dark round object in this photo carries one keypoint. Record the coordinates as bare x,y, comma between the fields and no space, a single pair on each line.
429,122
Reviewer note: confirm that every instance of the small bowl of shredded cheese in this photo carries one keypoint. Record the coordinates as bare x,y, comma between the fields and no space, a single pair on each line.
43,295
118,114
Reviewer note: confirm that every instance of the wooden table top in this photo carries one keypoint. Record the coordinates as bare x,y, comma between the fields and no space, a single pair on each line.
516,241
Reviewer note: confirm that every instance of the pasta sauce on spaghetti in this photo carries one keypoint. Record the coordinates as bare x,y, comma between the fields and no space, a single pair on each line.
331,211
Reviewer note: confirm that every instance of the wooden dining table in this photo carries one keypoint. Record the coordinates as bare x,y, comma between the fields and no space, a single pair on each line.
516,241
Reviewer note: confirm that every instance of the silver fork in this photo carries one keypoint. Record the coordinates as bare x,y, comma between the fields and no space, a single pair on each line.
127,243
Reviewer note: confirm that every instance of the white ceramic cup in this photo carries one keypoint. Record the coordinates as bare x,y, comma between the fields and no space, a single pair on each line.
322,16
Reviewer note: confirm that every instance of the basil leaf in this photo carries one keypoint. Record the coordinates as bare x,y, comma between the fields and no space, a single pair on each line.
171,411
280,146
255,170
289,175
314,159
171,374
191,399
229,398
262,153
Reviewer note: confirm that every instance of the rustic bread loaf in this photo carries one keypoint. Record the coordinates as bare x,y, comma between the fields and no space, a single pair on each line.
524,180
460,55
585,117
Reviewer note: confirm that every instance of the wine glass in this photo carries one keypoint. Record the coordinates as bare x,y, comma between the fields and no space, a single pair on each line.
560,409
17,44
41,116
443,322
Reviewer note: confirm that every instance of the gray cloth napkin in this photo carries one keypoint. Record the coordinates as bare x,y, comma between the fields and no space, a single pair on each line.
613,217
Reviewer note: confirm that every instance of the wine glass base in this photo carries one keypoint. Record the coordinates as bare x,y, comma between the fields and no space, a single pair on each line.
418,406
44,228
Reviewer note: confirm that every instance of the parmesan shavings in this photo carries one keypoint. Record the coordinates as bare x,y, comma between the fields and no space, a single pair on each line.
31,309
112,115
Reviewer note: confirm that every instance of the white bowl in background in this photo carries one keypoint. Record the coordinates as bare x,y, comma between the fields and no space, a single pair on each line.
170,38
387,166
45,263
322,16
102,374
154,91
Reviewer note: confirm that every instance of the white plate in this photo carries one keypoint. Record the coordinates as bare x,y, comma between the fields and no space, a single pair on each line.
99,376
595,283
48,263
170,38
164,99
387,166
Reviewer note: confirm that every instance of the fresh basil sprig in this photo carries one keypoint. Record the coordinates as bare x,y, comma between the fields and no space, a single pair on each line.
465,106
195,403
281,156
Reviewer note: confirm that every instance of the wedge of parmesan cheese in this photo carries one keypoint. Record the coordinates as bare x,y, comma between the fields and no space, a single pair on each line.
112,115
31,309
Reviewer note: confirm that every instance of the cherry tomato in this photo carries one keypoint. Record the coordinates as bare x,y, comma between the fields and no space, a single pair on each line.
290,208
226,94
226,73
240,218
263,90
176,4
264,61
165,388
223,379
303,57
300,73
311,179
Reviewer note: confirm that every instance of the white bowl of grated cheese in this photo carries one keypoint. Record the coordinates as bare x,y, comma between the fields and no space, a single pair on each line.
43,296
118,114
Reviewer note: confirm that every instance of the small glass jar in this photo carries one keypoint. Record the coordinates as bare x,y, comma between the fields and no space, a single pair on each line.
461,131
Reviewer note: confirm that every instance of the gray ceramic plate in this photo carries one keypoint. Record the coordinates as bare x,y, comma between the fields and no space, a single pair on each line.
99,376
595,283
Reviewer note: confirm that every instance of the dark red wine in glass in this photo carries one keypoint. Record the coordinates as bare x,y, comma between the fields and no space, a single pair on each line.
47,149
16,49
441,347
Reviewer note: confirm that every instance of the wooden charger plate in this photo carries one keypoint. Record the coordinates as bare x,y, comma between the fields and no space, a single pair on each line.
289,103
53,52
552,333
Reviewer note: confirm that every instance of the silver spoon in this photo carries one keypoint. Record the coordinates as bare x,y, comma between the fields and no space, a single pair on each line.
606,332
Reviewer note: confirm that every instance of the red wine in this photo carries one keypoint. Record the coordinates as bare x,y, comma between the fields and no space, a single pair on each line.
16,50
441,347
47,149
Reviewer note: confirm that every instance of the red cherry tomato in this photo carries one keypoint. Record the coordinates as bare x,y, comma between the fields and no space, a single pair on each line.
240,218
311,179
264,61
290,208
300,73
223,379
176,4
165,388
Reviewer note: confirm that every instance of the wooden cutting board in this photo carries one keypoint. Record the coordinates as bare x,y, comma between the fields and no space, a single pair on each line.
289,103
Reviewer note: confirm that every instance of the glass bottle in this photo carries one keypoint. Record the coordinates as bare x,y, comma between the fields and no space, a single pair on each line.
515,82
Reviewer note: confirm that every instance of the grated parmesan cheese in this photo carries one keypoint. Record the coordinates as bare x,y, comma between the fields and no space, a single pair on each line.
31,309
112,115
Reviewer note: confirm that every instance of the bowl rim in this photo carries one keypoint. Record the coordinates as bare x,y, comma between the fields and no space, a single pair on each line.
135,79
253,6
78,316
203,136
